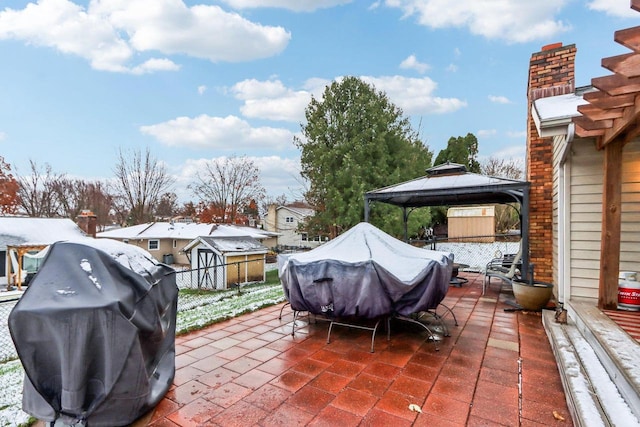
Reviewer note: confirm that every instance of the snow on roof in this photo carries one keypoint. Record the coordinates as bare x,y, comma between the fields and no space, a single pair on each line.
226,230
180,230
130,256
160,230
36,231
451,181
299,211
234,244
558,107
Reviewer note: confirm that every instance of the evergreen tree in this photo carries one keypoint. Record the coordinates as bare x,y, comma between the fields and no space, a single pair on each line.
356,140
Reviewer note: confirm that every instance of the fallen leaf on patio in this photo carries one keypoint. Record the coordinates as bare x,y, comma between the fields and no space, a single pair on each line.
557,416
415,408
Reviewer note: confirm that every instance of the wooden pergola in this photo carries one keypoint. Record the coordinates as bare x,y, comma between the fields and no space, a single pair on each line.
20,251
611,117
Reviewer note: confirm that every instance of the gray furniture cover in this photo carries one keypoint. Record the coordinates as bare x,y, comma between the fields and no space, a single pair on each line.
365,273
95,332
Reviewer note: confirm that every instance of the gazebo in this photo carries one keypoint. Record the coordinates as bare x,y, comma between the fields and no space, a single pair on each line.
450,184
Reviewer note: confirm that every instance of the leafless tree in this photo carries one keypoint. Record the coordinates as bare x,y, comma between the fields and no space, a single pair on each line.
506,215
38,192
76,195
168,205
228,184
140,180
504,168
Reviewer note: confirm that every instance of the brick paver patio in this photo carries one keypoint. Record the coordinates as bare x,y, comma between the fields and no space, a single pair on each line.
496,368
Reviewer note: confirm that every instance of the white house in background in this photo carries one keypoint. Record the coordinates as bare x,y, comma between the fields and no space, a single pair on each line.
22,237
165,240
219,261
288,222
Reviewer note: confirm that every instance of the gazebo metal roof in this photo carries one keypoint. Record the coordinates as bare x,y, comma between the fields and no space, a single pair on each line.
450,184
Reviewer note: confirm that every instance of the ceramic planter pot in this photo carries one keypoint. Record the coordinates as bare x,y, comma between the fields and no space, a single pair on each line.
534,296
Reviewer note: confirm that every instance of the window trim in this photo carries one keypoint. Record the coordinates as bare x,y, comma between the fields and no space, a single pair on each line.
157,248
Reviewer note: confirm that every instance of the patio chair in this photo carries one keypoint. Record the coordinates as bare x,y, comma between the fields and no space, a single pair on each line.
506,268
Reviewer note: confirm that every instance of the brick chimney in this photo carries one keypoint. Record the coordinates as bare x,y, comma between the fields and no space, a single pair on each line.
551,73
88,222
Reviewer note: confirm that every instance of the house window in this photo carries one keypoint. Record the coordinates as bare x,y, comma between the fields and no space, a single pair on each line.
304,237
154,245
288,219
175,243
125,240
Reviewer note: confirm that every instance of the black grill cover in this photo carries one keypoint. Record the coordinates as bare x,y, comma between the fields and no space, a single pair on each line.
96,338
365,273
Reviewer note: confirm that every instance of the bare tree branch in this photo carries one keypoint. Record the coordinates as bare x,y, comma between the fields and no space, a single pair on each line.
140,181
229,184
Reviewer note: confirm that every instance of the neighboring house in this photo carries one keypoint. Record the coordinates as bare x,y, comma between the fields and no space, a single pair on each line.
165,240
218,262
21,237
288,221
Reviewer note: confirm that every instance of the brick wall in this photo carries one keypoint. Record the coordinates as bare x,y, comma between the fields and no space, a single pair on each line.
551,73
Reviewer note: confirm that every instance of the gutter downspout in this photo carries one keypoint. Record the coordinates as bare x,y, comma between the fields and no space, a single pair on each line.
564,274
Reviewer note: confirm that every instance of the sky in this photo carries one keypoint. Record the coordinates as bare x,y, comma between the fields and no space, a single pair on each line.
195,81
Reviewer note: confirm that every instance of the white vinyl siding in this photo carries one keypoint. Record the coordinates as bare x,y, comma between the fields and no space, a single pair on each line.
630,233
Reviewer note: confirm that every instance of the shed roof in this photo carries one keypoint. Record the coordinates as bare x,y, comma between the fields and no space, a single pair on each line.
229,244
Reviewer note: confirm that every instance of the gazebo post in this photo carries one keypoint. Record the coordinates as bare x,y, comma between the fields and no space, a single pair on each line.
524,231
366,208
405,218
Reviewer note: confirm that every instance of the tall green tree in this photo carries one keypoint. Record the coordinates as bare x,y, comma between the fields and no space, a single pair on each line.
356,140
462,150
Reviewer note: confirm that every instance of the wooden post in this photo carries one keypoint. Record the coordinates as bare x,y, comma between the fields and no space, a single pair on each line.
611,218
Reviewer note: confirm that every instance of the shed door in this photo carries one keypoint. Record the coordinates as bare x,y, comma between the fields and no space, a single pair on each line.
210,271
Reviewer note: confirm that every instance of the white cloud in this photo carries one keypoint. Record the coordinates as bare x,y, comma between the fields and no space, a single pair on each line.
487,132
498,99
221,133
452,68
415,95
515,21
153,65
3,136
295,5
619,8
202,89
272,100
110,34
412,63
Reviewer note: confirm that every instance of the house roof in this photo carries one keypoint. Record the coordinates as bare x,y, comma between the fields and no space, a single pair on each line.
298,211
179,230
16,231
553,114
228,244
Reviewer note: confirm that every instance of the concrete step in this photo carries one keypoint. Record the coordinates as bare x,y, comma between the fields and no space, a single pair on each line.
593,356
